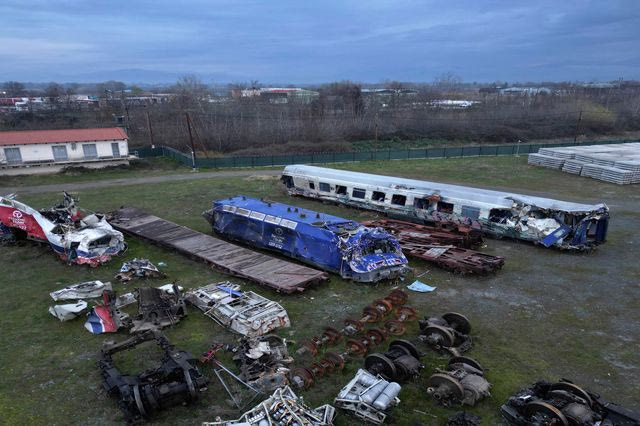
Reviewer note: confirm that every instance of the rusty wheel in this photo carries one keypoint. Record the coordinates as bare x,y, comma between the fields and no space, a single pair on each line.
406,346
352,324
304,377
395,327
398,297
384,305
332,335
466,360
439,336
310,346
327,365
356,347
444,386
372,313
317,369
572,389
552,415
407,313
458,322
376,336
335,359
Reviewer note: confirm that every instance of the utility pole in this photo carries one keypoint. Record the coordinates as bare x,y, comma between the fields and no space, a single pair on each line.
193,148
150,131
575,137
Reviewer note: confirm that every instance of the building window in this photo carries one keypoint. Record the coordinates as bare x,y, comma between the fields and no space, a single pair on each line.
421,203
445,207
341,190
60,153
312,185
378,196
115,148
398,200
13,155
90,151
325,187
358,193
470,212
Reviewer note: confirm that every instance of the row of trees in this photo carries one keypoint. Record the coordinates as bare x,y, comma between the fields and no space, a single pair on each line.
342,114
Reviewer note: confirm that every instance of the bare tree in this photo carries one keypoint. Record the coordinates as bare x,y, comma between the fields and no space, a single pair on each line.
14,88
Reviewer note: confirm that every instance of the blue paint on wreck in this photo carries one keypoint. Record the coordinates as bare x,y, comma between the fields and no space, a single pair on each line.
328,242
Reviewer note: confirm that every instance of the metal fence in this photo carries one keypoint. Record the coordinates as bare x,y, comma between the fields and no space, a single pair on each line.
349,157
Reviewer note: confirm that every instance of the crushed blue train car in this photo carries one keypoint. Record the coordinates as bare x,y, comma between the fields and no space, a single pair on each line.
328,242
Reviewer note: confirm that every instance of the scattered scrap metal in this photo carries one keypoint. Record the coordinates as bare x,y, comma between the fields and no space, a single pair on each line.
564,404
447,333
462,382
106,317
283,407
446,249
176,380
74,237
368,397
463,418
84,290
138,268
263,362
158,309
243,312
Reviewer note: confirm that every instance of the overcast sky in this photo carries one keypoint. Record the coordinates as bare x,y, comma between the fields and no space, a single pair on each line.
307,41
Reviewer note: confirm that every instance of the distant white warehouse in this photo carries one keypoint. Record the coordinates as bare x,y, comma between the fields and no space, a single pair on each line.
46,151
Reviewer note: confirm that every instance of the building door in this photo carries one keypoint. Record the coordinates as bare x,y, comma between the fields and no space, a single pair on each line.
13,155
116,149
60,153
90,151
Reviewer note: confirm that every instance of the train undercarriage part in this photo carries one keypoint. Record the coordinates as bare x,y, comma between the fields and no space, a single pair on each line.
463,382
564,404
368,397
447,333
175,381
401,362
158,309
284,407
305,377
263,362
373,313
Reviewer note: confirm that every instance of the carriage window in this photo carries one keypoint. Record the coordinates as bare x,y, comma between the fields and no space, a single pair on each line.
358,193
312,185
421,203
470,212
445,207
398,200
341,190
378,196
325,187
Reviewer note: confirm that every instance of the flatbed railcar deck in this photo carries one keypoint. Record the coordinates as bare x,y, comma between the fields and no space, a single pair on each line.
269,271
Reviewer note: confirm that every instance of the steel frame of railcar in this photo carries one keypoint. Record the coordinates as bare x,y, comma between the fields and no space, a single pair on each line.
545,221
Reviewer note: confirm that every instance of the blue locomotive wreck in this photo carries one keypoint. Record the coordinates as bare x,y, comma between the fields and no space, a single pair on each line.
328,242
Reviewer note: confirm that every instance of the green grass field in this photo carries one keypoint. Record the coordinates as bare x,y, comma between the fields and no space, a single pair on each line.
546,315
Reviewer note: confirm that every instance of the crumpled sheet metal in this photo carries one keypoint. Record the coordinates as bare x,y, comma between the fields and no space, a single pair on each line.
138,268
84,290
243,312
68,311
283,407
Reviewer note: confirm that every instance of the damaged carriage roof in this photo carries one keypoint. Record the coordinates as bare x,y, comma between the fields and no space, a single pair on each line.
479,195
289,212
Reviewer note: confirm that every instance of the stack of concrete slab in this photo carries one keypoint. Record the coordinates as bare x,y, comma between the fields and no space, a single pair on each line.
615,163
545,161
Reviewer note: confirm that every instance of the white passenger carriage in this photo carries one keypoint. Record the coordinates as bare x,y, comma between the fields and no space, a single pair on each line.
499,214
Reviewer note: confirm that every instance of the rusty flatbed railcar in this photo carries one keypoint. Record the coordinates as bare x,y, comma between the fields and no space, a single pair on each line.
445,248
278,274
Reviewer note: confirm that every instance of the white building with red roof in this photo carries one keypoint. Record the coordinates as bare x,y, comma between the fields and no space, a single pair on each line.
46,151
